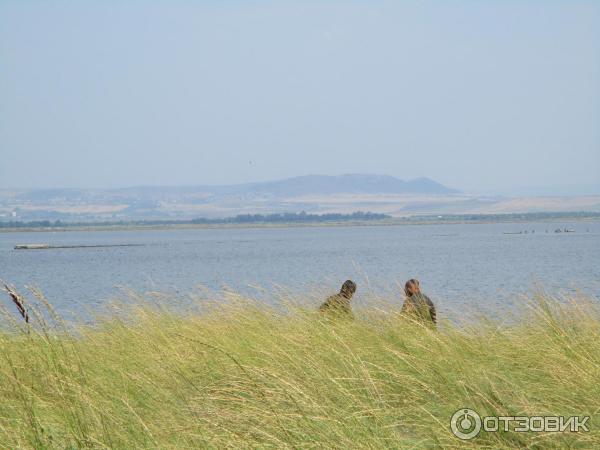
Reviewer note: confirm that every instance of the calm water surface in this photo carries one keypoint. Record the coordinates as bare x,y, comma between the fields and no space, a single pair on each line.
457,264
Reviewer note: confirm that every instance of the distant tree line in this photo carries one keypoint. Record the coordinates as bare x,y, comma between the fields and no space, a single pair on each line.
301,217
295,217
304,217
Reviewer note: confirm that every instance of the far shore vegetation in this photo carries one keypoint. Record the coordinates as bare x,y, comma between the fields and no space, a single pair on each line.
232,372
298,219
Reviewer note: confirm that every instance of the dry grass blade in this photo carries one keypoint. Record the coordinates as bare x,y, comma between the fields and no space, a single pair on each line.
18,301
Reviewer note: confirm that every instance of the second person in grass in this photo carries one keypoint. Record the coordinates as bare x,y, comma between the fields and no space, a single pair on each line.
339,304
417,304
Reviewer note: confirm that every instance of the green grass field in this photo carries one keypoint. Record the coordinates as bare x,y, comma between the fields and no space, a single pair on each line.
240,375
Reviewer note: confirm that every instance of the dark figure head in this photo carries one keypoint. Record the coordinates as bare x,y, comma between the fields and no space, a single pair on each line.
348,289
412,287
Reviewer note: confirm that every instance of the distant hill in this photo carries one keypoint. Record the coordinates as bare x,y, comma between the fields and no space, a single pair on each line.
310,193
308,185
350,184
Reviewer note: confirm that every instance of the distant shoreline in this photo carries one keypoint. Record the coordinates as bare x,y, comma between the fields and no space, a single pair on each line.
400,221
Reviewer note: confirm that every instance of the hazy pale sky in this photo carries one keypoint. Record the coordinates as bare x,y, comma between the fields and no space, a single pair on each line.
484,96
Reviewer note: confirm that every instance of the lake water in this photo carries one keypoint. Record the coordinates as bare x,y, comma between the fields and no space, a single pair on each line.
474,264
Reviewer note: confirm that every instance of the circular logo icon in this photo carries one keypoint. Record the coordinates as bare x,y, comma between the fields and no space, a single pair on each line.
465,424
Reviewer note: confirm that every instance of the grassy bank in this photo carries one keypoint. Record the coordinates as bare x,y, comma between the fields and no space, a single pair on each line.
241,375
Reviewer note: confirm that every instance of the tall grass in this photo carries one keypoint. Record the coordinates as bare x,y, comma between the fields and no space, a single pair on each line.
244,375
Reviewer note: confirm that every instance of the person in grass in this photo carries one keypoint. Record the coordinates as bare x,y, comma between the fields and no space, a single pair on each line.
418,304
340,303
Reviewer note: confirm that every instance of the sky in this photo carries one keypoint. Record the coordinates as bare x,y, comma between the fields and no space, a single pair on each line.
489,97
